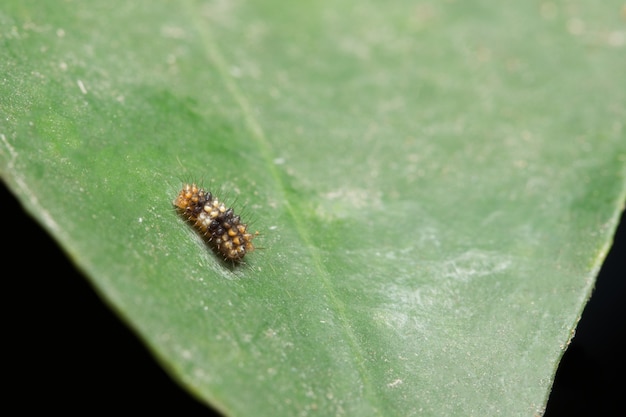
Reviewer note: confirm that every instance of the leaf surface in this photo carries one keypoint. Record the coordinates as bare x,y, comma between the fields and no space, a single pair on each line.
435,186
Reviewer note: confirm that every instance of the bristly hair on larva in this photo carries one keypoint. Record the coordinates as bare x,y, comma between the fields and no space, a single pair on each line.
218,224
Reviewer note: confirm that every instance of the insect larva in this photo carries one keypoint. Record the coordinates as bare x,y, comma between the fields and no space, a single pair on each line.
218,224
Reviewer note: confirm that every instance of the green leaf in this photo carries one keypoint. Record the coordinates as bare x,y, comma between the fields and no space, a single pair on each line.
435,185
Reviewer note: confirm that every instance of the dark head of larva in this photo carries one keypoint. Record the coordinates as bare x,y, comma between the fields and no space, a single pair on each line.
219,225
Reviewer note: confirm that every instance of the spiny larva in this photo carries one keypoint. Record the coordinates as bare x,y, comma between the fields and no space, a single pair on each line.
218,224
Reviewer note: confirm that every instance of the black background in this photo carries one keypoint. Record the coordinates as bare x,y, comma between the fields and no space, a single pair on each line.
66,350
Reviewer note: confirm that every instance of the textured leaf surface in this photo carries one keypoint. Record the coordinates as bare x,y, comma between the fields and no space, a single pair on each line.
435,184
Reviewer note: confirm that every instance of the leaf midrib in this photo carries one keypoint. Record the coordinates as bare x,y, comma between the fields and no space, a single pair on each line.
214,55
